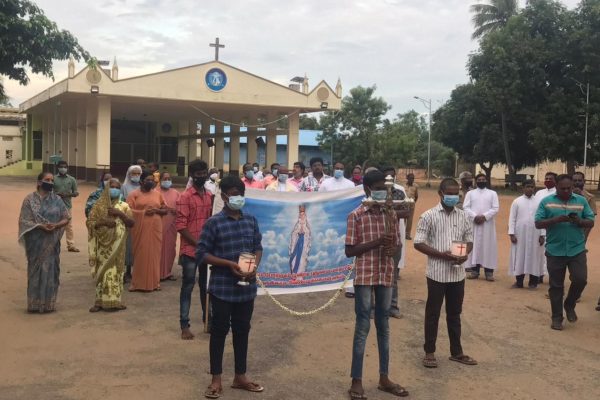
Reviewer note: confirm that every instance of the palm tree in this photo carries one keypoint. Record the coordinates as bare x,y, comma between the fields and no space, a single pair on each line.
490,17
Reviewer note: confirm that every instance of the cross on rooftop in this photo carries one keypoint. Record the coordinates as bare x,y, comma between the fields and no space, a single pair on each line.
217,46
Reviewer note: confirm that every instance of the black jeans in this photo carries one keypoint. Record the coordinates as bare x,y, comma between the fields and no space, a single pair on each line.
226,315
557,269
188,280
453,293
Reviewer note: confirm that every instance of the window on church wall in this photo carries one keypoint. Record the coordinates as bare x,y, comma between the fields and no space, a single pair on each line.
37,145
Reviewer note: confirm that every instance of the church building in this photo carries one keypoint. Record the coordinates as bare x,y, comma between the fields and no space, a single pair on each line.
96,121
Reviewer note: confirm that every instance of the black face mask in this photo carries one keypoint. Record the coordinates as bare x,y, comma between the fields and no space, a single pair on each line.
148,185
468,184
199,181
579,185
47,186
481,185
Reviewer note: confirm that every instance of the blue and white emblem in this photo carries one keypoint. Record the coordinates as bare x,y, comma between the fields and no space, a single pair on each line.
215,79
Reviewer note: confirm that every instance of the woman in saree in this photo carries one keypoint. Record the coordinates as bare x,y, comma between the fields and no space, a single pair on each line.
169,230
131,183
41,226
95,195
107,238
147,206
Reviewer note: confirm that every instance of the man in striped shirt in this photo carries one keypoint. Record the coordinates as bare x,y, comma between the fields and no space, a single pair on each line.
438,228
374,249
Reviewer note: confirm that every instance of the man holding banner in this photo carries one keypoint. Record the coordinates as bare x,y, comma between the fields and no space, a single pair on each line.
373,248
226,237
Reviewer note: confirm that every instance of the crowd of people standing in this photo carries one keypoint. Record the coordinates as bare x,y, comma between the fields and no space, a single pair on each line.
133,228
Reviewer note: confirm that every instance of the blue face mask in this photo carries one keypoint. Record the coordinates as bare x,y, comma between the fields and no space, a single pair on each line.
249,175
236,202
338,174
282,178
165,184
115,193
135,179
379,195
274,171
450,200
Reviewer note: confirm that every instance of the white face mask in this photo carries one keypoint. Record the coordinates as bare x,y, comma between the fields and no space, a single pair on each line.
213,177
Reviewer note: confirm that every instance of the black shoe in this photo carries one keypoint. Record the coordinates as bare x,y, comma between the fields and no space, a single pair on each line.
557,325
571,315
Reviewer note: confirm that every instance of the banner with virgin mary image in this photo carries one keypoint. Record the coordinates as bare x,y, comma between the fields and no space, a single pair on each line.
303,236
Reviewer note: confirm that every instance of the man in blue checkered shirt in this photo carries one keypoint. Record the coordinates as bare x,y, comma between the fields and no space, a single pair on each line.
224,236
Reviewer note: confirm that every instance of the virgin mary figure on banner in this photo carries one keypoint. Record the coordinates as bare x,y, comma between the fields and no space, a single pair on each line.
300,242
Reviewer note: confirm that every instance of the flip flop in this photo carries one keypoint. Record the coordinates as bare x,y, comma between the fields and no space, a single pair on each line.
463,359
211,393
356,396
430,362
249,386
395,389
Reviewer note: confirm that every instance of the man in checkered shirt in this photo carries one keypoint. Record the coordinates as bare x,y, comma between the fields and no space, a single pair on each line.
374,270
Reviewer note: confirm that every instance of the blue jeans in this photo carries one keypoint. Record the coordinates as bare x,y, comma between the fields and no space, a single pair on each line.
362,308
188,280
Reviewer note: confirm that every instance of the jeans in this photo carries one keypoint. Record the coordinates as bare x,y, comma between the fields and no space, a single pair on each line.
362,309
453,293
69,231
557,268
226,315
188,268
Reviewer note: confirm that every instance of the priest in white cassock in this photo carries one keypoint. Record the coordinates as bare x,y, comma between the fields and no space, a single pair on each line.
527,242
481,206
550,188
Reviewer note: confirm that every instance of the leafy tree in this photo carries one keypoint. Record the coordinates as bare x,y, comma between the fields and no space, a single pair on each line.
492,17
352,130
308,122
574,43
29,39
469,125
398,140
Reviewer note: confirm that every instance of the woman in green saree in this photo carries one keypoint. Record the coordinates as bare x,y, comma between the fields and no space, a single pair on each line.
107,238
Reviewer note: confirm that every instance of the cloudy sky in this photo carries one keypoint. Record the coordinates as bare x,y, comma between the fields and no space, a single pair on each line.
405,47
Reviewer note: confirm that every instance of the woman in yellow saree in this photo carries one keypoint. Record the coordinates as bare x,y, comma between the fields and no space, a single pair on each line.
107,239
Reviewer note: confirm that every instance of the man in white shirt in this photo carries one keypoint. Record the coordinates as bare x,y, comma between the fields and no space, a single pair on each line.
258,175
481,206
527,248
550,183
282,183
437,230
338,182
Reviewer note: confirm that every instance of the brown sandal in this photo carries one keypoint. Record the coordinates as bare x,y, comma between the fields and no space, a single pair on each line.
463,359
249,386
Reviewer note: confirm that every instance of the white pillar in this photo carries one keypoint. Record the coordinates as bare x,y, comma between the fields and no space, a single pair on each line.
219,146
234,151
103,136
293,138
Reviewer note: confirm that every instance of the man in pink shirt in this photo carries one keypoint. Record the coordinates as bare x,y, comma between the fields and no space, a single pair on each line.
249,180
298,172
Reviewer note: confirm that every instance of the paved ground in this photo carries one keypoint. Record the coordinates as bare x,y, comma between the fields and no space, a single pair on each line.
137,354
